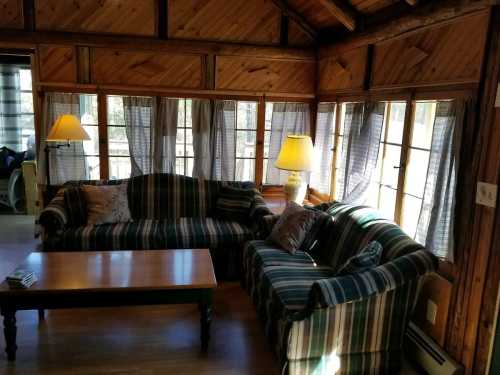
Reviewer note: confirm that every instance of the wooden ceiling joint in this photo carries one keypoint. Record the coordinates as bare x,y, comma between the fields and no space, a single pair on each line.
345,14
292,14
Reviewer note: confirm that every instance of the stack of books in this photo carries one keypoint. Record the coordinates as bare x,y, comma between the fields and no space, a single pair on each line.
21,279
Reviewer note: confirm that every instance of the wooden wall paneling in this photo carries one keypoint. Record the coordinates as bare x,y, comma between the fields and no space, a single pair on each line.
129,17
437,289
344,71
57,64
29,15
11,14
142,68
297,37
450,53
83,64
268,75
256,21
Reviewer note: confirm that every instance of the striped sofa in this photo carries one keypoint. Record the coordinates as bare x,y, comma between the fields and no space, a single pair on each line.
168,211
320,323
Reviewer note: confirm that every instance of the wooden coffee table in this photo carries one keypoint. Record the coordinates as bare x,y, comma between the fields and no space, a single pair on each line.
112,278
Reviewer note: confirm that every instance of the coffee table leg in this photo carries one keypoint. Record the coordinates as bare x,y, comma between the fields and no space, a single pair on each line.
205,306
10,330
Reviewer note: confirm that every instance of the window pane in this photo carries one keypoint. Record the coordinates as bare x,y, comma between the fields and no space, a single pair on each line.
373,195
91,147
245,144
189,142
119,167
115,111
180,114
416,172
189,117
93,167
117,141
245,170
387,202
179,142
189,166
247,115
410,214
264,174
267,141
423,124
391,159
25,79
269,115
88,109
179,166
26,102
396,122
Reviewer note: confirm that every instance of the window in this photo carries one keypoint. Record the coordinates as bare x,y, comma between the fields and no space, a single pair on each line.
89,121
118,148
246,140
184,153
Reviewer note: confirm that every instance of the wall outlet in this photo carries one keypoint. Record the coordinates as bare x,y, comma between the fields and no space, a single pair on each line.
431,312
486,194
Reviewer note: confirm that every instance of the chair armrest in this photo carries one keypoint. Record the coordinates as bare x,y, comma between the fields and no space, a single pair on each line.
258,211
54,217
337,290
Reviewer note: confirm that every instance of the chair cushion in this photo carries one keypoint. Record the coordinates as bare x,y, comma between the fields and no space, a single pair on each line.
234,204
367,258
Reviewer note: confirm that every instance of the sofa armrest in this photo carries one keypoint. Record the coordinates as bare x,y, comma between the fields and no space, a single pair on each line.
54,217
389,276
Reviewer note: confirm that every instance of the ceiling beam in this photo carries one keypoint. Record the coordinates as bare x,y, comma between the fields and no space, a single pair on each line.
297,17
412,2
340,11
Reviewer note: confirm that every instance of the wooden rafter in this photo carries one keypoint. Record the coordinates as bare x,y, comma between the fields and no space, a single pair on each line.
340,11
412,2
297,17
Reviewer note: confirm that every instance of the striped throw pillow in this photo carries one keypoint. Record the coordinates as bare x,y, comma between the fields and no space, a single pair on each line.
368,258
76,206
234,204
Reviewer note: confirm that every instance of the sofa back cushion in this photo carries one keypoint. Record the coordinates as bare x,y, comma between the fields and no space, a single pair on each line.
353,227
76,206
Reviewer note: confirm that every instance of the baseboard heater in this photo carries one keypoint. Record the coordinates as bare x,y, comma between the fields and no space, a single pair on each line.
422,350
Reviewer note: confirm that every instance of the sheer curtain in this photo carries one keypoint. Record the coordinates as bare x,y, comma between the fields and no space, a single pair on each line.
435,224
139,115
224,160
66,163
203,137
10,107
323,148
164,136
287,118
361,142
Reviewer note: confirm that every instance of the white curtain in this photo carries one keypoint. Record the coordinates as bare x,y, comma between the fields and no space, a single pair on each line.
203,133
10,107
361,142
139,115
224,160
287,118
164,136
435,224
66,163
323,148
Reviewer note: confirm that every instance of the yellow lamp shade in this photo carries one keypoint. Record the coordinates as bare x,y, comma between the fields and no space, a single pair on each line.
67,128
296,154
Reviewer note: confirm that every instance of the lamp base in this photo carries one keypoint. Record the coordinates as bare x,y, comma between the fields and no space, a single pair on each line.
294,188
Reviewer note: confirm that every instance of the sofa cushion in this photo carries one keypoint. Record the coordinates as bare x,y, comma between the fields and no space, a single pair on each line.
292,227
234,203
106,204
367,258
76,206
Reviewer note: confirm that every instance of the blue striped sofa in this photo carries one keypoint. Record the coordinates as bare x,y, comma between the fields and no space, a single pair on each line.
320,323
168,211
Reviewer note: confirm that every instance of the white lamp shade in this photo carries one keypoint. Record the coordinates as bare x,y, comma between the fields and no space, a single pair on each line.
67,128
296,154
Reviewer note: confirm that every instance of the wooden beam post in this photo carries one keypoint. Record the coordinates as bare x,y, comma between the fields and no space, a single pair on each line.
259,149
102,115
297,17
341,12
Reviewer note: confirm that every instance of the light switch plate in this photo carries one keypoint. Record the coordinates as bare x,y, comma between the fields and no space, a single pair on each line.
486,194
497,101
431,312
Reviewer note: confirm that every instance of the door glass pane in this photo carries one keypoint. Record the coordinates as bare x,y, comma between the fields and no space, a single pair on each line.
115,111
247,115
416,172
179,142
423,124
245,169
119,167
179,166
391,160
117,141
91,147
410,214
245,144
93,167
387,202
396,122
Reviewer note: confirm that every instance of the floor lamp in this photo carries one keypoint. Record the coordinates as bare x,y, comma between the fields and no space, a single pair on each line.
67,129
296,155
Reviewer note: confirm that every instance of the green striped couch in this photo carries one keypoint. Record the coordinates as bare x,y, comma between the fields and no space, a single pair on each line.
320,323
168,211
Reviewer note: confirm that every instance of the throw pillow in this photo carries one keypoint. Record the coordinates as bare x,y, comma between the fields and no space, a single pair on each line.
106,204
234,203
76,205
368,258
292,227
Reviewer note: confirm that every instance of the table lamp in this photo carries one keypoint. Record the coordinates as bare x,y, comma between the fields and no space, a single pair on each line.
296,155
66,128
